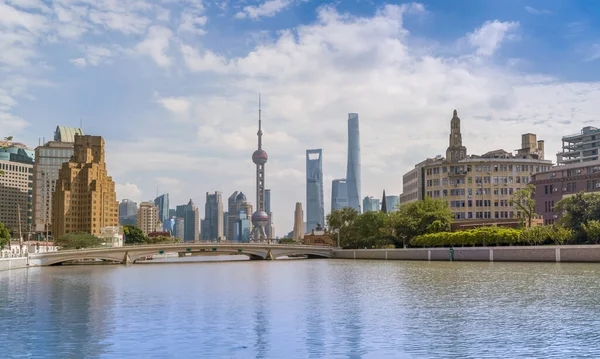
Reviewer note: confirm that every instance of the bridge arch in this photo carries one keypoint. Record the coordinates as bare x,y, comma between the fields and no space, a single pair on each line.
315,253
253,255
61,260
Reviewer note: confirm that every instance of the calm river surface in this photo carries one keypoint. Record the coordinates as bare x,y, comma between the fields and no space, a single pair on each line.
302,309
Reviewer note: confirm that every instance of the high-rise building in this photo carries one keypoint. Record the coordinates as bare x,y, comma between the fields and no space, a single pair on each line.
370,204
298,223
260,218
242,227
384,207
148,217
85,199
353,179
270,226
16,186
579,147
412,182
179,228
128,211
315,208
172,212
339,194
393,203
213,217
49,158
191,221
479,188
236,202
162,202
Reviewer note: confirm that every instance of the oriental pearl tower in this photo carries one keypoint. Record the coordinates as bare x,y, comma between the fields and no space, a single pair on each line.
260,218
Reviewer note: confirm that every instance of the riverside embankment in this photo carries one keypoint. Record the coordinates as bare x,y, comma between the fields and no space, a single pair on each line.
13,263
569,253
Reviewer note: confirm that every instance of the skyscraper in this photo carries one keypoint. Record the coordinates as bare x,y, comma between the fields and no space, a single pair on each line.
339,194
128,210
162,202
260,218
353,169
147,217
384,208
49,158
85,199
370,204
236,203
270,226
16,162
298,222
213,217
189,214
392,203
315,208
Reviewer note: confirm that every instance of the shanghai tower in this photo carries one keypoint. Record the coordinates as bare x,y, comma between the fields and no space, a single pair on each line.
353,169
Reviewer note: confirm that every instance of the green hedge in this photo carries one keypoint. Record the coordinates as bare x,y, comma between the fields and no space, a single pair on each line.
473,237
489,236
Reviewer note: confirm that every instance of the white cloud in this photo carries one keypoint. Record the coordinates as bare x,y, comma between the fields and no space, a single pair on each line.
128,191
11,124
79,62
178,105
208,61
535,11
126,23
268,8
192,23
156,45
30,5
594,53
490,35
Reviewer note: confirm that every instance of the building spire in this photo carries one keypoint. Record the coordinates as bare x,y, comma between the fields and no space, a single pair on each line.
259,125
384,203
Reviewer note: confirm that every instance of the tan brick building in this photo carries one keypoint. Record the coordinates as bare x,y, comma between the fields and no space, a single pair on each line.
84,199
147,218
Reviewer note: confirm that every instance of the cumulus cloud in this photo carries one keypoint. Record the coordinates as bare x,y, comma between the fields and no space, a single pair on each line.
156,45
268,8
128,191
490,35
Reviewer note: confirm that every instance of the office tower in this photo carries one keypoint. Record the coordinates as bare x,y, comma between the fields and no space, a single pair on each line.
384,208
49,158
128,211
16,162
179,229
169,226
162,202
393,203
353,171
270,226
579,147
315,210
190,215
298,223
339,194
242,227
172,212
213,217
370,204
260,218
85,199
147,218
237,202
225,226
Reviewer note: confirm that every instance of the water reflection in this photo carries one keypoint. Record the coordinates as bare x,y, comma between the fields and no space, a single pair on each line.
302,309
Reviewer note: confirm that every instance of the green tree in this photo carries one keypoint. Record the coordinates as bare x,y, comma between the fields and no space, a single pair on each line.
77,240
134,235
4,144
371,230
4,236
159,240
592,230
341,221
287,241
421,217
559,234
523,200
578,209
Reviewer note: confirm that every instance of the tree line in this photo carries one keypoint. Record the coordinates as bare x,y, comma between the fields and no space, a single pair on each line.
427,223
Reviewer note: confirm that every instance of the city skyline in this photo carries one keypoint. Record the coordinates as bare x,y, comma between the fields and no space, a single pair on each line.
401,67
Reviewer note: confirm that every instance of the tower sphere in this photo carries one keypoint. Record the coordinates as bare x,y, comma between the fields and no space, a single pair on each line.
259,157
260,218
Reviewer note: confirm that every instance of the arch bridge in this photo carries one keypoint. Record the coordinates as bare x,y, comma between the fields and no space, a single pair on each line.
130,254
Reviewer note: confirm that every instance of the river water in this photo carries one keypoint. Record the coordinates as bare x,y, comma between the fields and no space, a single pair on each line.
302,309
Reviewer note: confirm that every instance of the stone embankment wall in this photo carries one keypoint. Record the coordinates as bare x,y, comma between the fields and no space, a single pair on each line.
573,253
13,263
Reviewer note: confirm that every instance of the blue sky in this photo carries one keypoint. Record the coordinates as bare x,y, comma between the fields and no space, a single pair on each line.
172,85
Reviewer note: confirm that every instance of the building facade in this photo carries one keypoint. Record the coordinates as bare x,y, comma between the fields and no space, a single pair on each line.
270,226
353,170
162,202
315,207
580,147
481,187
371,204
561,182
393,203
191,222
298,232
16,187
179,228
213,217
242,227
339,194
412,182
237,202
85,199
128,211
148,218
